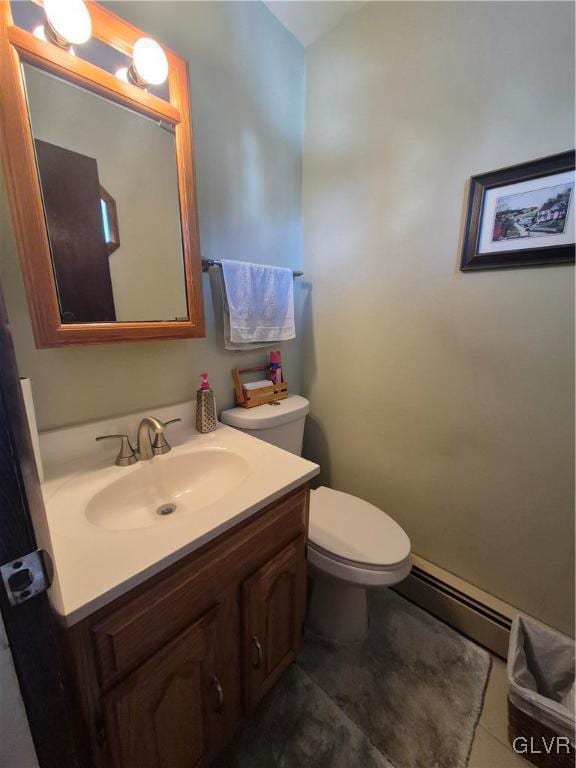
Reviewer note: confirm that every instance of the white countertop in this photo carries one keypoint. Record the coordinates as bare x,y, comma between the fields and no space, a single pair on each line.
94,565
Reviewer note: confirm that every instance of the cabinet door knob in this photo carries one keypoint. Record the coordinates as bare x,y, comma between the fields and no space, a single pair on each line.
257,662
219,694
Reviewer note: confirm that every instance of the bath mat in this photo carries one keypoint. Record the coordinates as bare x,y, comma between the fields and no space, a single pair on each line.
298,726
408,696
414,686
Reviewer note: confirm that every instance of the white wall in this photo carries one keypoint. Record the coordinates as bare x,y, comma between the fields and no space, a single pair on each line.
16,748
445,398
247,81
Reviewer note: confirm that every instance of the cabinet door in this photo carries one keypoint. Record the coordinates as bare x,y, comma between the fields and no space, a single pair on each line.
161,715
273,613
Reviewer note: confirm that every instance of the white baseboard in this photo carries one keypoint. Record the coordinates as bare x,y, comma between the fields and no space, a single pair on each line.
477,614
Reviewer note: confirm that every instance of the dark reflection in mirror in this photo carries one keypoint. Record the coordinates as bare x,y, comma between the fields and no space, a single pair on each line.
77,231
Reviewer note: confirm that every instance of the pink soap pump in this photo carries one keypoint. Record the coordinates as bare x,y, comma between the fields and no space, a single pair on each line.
205,406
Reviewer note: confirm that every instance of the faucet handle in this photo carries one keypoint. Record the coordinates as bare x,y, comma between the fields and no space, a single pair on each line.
126,456
160,445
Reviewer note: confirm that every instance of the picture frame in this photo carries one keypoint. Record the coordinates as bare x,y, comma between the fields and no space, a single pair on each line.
521,216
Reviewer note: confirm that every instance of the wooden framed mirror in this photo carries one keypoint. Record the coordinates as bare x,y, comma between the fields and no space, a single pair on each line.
100,179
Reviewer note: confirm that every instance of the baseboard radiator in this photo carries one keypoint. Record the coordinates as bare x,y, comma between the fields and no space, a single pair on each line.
466,613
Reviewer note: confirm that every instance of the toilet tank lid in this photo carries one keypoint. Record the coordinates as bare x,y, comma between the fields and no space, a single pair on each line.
266,416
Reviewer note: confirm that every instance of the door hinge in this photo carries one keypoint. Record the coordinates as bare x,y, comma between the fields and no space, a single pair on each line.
26,577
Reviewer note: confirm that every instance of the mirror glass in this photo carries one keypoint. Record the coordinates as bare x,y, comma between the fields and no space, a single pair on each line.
110,189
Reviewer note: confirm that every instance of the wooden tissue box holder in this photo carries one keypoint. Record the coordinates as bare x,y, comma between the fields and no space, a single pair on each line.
253,397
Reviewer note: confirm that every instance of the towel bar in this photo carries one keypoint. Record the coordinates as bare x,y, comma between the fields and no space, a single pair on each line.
207,263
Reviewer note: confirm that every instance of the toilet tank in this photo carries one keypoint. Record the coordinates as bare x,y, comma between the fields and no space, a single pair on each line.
281,423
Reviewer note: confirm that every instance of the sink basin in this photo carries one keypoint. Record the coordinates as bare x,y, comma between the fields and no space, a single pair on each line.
105,531
166,489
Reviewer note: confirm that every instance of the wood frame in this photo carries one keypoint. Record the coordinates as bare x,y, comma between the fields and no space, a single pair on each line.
24,191
471,260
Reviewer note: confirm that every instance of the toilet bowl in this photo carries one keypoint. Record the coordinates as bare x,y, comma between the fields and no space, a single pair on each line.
352,545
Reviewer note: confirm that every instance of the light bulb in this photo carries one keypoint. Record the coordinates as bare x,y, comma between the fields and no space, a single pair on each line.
40,33
149,63
122,74
69,20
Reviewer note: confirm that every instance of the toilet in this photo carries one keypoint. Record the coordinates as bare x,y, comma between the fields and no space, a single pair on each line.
352,545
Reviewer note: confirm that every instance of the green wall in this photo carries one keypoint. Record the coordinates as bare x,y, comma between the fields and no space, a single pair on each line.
444,398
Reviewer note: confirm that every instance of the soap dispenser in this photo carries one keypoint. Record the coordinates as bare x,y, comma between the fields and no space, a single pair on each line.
205,406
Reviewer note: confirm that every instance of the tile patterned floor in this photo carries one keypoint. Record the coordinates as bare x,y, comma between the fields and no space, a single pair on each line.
490,748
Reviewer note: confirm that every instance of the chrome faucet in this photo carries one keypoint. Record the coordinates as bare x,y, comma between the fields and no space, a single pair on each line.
146,448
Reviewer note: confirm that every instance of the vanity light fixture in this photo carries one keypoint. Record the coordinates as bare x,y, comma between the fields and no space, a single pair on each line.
40,33
122,74
67,22
149,63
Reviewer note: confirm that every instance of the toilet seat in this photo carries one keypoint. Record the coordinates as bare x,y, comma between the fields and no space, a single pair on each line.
354,541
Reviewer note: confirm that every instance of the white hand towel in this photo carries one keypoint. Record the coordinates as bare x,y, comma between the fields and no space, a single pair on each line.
222,315
260,302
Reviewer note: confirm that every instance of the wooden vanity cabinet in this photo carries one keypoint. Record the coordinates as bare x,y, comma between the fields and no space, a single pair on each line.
163,676
161,713
272,612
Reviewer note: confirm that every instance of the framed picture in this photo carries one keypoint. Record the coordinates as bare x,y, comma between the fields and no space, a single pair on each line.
521,216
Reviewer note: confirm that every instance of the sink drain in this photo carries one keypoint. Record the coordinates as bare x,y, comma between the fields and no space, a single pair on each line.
166,509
